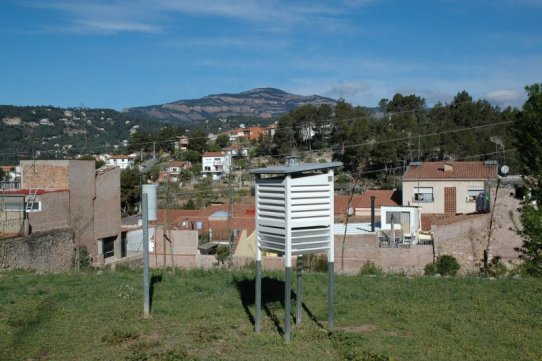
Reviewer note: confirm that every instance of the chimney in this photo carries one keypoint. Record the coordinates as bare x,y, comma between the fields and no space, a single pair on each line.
448,167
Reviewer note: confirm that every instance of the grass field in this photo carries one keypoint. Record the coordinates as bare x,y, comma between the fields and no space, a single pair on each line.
207,315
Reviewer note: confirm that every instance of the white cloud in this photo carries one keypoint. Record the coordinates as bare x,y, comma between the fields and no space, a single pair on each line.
347,90
152,15
506,97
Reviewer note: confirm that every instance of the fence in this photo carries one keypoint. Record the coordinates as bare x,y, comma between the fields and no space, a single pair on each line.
11,228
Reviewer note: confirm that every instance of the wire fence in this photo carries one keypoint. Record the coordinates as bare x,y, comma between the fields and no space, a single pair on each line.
11,228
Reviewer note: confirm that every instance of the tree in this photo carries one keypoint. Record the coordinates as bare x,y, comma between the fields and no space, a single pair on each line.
223,140
98,162
198,141
351,137
528,128
129,190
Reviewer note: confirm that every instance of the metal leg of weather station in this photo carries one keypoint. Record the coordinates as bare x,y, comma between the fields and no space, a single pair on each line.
258,298
331,269
299,291
287,303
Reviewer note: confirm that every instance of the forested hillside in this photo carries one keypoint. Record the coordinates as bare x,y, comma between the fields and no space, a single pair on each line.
464,129
50,132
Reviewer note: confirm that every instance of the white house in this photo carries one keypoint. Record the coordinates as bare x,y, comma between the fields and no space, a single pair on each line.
215,164
236,151
447,187
121,161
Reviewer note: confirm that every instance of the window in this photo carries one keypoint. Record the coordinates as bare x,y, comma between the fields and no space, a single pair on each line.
33,206
423,194
473,193
13,207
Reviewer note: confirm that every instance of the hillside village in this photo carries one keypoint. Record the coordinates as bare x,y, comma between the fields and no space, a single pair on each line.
439,208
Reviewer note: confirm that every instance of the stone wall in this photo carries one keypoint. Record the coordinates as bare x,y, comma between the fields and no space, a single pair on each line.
50,251
466,240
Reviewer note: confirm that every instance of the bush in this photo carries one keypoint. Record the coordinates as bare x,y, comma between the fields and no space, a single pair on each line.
222,254
447,265
315,263
495,268
430,269
84,261
369,268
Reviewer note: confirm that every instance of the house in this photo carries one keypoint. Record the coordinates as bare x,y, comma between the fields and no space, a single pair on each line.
447,187
238,134
215,164
12,177
121,161
236,151
181,143
270,130
59,194
173,171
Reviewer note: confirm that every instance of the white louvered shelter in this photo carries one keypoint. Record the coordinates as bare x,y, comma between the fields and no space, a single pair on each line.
294,213
295,216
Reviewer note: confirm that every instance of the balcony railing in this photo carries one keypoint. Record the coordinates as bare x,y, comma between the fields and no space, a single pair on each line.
10,185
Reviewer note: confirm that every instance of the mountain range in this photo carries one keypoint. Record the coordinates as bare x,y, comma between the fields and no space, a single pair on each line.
261,103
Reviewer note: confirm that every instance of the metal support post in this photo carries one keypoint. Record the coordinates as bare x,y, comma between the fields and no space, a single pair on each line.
146,286
258,298
287,303
331,319
299,298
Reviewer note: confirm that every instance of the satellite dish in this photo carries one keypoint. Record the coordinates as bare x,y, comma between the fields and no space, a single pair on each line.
504,170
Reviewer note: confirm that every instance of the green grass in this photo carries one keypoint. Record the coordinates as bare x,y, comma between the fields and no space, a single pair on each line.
206,315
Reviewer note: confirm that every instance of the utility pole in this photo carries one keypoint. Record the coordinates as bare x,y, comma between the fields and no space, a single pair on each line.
166,234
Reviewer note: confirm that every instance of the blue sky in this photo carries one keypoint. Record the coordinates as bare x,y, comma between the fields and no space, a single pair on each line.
123,53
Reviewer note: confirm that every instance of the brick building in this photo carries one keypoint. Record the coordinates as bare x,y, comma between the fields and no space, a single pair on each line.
59,194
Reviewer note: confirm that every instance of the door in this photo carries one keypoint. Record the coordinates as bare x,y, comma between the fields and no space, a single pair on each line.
450,199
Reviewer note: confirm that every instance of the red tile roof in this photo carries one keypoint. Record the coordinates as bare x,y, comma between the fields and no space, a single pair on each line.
179,163
450,170
383,197
213,154
31,191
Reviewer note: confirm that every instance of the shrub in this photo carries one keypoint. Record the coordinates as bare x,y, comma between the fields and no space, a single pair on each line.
315,262
369,268
222,254
495,268
84,261
447,265
430,269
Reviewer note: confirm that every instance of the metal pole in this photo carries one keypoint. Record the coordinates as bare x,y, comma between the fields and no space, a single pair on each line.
258,298
299,298
287,302
331,269
373,213
146,287
258,317
287,262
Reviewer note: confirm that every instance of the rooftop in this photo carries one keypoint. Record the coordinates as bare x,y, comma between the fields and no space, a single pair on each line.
451,170
296,168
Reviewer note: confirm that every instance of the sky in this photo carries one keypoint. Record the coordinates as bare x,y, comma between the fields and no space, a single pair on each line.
125,53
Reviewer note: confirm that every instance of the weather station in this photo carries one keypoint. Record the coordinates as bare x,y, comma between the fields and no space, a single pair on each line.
294,217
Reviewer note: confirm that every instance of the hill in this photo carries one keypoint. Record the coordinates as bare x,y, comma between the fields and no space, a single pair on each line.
51,132
261,103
